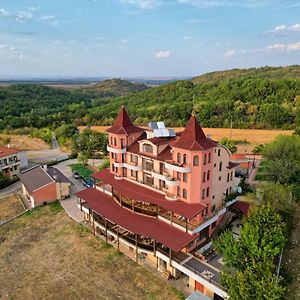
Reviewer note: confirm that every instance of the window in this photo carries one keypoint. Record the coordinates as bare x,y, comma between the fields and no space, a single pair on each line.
148,148
133,158
184,177
220,178
209,157
184,159
213,208
220,166
178,176
133,173
219,152
179,158
204,177
184,194
208,175
148,179
122,143
148,165
204,159
178,192
228,177
111,140
115,141
196,160
207,192
231,175
203,193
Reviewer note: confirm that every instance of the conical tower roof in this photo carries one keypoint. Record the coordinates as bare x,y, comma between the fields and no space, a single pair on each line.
123,124
193,138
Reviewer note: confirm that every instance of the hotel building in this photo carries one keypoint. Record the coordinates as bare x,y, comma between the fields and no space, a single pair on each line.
163,197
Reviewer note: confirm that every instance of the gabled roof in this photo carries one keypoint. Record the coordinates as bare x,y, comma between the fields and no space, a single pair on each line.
193,137
57,175
6,151
123,124
35,178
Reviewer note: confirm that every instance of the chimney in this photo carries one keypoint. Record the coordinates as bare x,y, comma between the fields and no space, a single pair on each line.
8,146
45,167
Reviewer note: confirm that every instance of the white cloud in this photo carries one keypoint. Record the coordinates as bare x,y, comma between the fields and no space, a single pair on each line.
21,16
49,19
186,38
194,21
143,4
124,41
163,54
284,29
230,53
228,3
285,47
3,12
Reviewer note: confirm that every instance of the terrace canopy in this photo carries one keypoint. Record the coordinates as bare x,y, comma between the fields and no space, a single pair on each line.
107,207
140,193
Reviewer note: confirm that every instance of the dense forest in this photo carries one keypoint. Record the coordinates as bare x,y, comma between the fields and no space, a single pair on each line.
254,98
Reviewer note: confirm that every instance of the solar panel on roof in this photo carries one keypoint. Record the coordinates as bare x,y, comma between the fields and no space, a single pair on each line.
161,125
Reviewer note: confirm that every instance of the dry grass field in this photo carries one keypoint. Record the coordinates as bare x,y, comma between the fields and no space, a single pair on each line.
253,136
10,206
24,142
46,255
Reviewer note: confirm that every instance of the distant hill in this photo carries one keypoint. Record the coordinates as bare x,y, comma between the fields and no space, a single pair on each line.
263,72
115,87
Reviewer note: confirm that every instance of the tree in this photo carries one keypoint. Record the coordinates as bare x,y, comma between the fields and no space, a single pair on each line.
82,158
283,160
251,260
4,181
230,144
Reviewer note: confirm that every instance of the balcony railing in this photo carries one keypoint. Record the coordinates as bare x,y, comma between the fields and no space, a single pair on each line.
174,166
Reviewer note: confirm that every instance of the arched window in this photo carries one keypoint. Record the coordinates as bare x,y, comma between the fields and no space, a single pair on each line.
204,159
179,158
115,141
178,192
184,193
196,160
208,175
184,159
209,157
147,148
204,177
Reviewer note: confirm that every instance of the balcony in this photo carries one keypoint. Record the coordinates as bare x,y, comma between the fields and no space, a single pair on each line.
172,165
115,150
171,181
128,166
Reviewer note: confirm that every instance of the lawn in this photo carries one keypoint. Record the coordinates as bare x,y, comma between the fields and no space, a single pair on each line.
10,206
261,174
83,171
46,255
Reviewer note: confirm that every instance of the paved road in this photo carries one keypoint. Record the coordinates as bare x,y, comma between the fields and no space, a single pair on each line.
54,141
12,189
70,204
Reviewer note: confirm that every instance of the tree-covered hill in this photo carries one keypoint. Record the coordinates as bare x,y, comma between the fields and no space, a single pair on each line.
263,72
114,87
262,100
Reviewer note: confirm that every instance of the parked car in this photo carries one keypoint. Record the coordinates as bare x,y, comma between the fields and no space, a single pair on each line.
88,182
240,173
76,175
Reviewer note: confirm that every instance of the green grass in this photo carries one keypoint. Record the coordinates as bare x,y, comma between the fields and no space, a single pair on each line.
82,170
262,172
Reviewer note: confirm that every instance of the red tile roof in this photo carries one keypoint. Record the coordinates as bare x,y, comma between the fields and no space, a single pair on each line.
6,151
141,193
123,124
162,156
146,226
232,164
161,141
193,137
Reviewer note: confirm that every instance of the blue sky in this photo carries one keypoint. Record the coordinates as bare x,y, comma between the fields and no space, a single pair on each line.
128,38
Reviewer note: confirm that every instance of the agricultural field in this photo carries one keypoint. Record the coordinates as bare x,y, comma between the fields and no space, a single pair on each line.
46,255
10,206
249,138
23,142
